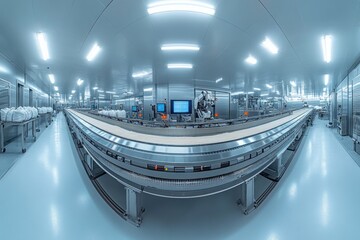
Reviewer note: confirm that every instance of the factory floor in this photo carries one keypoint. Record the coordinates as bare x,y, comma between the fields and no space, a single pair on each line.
47,195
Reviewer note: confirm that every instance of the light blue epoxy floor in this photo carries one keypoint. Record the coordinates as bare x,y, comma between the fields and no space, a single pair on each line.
46,195
13,151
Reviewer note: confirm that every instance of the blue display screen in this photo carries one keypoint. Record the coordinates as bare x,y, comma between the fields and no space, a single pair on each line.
181,106
134,109
161,107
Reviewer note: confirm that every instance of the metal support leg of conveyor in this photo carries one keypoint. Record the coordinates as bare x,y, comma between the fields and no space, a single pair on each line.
95,170
133,206
247,196
275,170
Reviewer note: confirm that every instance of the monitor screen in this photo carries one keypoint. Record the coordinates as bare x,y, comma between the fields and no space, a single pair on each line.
181,106
134,109
161,107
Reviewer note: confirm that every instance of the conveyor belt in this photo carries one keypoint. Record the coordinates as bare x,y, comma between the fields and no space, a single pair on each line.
186,141
186,166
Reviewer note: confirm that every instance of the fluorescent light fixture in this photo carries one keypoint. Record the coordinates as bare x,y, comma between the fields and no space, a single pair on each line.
219,80
236,93
269,86
250,92
264,95
270,46
293,83
73,91
3,69
110,92
52,78
324,89
56,88
326,79
116,95
148,89
251,60
95,88
100,91
79,82
181,5
130,92
326,42
277,92
141,74
257,89
356,84
180,66
180,47
43,45
93,52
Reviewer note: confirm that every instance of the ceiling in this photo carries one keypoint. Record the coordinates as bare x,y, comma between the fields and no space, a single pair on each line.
130,39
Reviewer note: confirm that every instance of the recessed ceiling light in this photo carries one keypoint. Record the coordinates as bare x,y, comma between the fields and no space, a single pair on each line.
269,86
148,89
219,80
251,60
257,89
326,42
180,46
326,79
52,78
79,82
180,66
236,93
181,5
3,69
141,74
73,91
43,45
293,83
270,46
56,88
93,52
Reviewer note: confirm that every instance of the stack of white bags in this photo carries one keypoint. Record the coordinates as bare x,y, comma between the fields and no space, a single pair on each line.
113,113
19,114
43,110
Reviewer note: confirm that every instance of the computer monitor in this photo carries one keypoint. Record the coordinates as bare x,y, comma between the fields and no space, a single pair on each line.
134,109
181,106
161,108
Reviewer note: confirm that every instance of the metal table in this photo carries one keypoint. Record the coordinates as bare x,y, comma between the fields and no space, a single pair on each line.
48,118
23,125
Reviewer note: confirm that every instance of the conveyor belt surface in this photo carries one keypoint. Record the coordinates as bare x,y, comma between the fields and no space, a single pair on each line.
186,141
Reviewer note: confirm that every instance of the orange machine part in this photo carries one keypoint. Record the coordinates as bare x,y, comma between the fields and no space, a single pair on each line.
246,113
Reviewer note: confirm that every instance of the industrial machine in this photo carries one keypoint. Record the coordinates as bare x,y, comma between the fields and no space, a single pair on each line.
182,162
204,105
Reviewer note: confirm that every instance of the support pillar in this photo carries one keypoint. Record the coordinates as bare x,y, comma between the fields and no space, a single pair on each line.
247,196
133,206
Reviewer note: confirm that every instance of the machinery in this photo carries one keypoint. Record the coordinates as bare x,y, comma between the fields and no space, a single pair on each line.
181,162
203,105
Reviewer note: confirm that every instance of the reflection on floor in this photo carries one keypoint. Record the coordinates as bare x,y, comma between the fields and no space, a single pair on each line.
348,144
47,195
13,151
